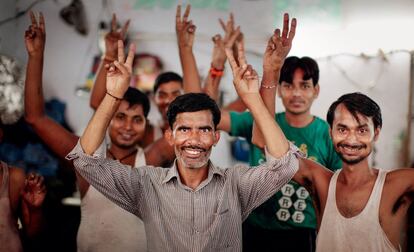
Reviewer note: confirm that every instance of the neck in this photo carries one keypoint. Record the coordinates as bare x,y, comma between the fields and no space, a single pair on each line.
299,120
357,173
119,153
192,177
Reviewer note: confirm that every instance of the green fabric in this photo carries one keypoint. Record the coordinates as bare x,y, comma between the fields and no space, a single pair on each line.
291,207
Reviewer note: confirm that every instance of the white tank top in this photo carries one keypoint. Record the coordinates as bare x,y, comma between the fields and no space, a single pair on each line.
360,233
106,227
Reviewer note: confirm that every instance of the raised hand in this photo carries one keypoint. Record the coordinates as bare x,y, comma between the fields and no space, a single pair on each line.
112,37
34,191
279,45
119,72
184,29
245,78
35,36
230,36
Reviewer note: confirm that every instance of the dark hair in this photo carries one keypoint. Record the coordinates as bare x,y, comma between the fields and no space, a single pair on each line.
357,103
193,102
166,77
135,97
307,64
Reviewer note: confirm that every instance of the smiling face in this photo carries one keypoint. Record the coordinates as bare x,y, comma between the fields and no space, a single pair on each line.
165,94
193,137
298,96
127,127
353,140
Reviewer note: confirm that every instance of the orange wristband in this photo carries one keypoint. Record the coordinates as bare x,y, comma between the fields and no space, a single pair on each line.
216,72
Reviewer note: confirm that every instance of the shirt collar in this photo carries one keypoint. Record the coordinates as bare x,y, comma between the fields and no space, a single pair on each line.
173,172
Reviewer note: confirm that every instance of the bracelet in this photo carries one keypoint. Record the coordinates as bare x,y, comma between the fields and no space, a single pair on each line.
215,72
268,87
113,96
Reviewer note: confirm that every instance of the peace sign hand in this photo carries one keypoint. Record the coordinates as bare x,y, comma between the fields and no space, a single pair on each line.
35,36
120,71
112,37
184,29
279,45
245,78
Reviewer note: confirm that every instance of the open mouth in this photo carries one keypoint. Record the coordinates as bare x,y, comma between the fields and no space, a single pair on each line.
193,152
351,149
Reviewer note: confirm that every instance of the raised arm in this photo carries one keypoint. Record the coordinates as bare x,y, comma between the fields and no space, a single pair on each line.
277,49
219,58
117,82
185,31
56,137
110,55
246,83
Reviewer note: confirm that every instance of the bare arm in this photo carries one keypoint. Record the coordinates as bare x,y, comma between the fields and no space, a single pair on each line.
276,52
246,82
218,60
111,42
117,82
60,140
185,31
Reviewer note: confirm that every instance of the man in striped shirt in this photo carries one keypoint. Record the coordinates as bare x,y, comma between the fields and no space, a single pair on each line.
194,205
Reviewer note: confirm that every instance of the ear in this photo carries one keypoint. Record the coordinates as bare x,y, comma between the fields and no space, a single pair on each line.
376,133
216,137
317,90
168,134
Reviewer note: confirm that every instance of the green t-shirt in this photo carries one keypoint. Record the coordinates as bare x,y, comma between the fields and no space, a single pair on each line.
291,207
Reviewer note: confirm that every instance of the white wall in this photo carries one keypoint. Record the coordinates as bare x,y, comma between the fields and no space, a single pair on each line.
358,26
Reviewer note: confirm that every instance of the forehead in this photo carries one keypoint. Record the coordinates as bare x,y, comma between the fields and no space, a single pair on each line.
170,87
125,108
297,77
194,119
343,116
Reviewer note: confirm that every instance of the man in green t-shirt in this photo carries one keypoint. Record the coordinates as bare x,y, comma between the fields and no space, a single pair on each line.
287,221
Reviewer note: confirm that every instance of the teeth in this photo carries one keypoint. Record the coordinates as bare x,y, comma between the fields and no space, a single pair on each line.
192,151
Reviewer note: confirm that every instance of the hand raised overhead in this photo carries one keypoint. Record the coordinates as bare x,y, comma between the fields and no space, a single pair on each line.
245,78
230,36
119,72
35,35
279,45
184,29
112,37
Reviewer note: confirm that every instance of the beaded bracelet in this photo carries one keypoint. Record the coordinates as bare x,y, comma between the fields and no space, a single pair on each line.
268,87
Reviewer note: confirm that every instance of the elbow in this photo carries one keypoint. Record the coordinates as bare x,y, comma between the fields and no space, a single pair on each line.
93,104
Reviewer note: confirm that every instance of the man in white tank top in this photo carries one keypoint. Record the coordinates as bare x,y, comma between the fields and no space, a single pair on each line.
359,208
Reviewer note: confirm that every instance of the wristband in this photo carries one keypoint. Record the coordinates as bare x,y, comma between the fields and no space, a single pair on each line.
215,72
113,96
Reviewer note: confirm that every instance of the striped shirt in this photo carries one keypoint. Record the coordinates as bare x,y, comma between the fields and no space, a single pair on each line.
178,218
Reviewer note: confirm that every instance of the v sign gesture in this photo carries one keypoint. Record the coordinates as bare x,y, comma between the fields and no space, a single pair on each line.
35,36
119,72
245,78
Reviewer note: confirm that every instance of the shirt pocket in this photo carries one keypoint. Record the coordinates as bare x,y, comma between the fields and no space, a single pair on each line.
222,232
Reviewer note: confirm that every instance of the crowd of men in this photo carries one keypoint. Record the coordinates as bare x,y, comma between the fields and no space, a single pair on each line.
152,186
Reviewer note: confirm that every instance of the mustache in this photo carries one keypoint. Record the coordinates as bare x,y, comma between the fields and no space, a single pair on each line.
296,100
358,146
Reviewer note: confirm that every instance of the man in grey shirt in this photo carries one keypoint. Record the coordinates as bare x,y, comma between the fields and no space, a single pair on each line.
193,206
